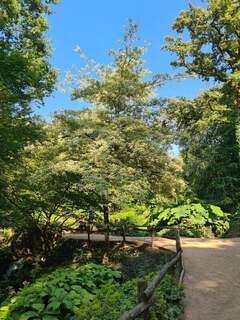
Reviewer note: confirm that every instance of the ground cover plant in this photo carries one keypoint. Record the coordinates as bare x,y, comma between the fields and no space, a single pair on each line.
92,290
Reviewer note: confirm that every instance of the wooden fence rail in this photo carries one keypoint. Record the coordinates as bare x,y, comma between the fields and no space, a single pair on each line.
123,230
146,292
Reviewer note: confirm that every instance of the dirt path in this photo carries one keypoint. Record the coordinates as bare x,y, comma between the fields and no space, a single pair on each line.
212,280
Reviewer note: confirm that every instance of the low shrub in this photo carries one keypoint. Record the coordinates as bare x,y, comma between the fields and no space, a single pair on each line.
90,292
6,258
113,300
59,295
194,219
234,226
64,252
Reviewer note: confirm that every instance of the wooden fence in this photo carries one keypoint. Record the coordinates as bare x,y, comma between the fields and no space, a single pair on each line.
123,231
146,291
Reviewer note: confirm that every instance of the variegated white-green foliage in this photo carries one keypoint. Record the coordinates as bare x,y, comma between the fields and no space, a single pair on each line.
111,154
124,86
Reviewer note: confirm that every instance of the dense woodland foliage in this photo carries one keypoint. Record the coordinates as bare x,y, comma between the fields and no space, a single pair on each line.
210,122
113,157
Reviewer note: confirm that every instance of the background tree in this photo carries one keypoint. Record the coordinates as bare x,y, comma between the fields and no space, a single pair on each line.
125,86
104,157
118,162
213,50
45,194
25,77
135,142
205,132
211,53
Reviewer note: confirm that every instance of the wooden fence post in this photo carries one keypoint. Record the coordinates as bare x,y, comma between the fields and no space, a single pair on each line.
180,266
146,292
123,234
88,233
142,285
178,241
152,236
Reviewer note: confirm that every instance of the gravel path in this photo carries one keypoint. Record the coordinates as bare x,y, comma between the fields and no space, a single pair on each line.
212,280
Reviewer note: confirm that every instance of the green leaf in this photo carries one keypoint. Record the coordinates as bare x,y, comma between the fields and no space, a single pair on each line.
54,305
29,315
38,306
49,317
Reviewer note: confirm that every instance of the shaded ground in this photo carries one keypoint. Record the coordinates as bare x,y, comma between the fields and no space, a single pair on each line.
132,259
139,260
212,281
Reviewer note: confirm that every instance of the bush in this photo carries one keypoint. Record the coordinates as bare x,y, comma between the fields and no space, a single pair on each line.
194,219
130,216
113,300
6,258
234,226
59,295
89,292
134,215
64,252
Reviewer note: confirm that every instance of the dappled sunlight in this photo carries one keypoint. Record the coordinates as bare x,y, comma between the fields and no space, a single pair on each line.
207,285
220,244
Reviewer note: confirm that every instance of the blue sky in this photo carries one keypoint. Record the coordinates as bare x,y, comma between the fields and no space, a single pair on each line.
96,25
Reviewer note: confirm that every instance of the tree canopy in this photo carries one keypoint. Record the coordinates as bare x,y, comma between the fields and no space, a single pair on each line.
26,77
102,157
115,152
210,123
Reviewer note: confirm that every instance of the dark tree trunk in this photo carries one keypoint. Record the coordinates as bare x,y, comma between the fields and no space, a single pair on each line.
106,222
106,216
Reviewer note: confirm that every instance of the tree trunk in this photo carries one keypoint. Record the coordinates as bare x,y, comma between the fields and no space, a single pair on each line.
106,222
238,106
106,217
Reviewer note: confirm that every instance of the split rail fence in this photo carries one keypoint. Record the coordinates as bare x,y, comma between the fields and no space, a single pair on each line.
146,290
